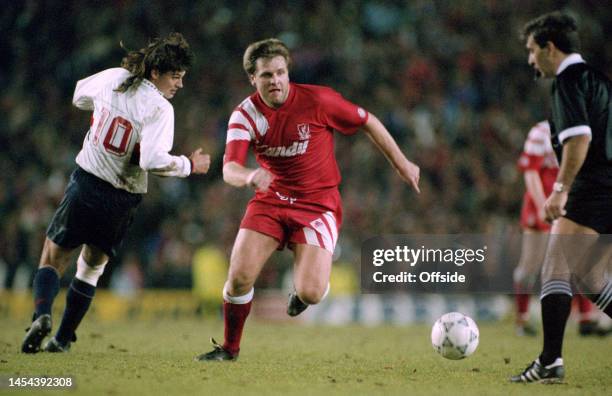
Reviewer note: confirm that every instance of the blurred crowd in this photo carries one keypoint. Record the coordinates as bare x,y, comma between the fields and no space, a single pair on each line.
449,79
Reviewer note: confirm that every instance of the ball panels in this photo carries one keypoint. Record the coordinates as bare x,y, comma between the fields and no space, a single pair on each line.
455,336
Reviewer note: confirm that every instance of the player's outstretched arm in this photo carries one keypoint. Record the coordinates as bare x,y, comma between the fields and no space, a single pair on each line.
239,176
407,170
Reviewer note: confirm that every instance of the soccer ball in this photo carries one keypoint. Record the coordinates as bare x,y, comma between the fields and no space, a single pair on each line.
455,336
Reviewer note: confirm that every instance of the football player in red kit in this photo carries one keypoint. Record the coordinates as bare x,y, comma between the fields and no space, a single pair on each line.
297,204
540,167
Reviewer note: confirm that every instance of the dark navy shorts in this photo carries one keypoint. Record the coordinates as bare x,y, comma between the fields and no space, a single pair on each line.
590,205
92,212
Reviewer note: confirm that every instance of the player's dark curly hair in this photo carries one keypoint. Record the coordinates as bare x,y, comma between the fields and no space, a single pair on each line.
268,48
556,27
171,53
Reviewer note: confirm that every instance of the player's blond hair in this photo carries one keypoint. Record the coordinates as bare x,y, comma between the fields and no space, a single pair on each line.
267,49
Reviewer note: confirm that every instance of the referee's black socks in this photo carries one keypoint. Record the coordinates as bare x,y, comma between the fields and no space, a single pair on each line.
556,302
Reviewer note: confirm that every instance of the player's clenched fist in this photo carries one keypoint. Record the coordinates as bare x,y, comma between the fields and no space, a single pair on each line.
199,162
260,179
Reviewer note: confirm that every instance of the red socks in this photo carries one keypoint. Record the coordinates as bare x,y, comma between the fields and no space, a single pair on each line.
234,316
585,306
522,303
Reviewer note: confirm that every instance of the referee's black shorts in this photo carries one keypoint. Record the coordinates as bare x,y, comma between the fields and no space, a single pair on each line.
92,212
590,204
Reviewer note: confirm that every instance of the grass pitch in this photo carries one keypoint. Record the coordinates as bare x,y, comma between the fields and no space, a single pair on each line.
156,358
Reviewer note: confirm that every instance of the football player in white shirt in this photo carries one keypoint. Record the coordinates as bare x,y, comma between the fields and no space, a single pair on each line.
131,134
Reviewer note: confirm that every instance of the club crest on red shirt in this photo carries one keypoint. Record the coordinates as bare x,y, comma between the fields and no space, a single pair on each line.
304,131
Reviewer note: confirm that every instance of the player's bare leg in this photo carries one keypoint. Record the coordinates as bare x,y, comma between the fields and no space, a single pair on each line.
588,277
53,255
592,279
90,266
312,269
54,260
533,249
251,251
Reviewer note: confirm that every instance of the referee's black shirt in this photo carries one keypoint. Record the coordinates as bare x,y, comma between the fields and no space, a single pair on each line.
581,105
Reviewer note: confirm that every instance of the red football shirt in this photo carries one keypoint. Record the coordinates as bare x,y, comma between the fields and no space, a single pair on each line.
295,141
538,155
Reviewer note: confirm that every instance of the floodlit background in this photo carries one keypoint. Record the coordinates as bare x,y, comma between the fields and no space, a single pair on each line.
449,79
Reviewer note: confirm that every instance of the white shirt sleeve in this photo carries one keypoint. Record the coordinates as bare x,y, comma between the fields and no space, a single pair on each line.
535,143
157,140
88,88
239,128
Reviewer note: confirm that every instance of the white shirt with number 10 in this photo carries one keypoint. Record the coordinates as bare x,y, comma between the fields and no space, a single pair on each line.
122,124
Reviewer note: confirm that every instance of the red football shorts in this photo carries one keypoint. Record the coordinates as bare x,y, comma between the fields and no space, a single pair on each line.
529,216
313,219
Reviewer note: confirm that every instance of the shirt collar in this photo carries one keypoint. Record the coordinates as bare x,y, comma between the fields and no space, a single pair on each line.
568,61
151,85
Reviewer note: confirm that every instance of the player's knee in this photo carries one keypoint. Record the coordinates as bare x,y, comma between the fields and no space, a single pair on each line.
310,298
93,256
237,296
239,284
312,295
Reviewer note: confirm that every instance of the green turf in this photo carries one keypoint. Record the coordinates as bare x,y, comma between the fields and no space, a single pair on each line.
155,358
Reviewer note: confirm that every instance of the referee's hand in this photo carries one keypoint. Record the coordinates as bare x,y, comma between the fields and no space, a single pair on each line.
554,207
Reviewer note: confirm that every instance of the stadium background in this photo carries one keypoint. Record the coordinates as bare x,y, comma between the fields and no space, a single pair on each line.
448,78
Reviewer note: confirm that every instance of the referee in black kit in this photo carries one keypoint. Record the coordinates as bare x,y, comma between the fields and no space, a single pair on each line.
581,201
